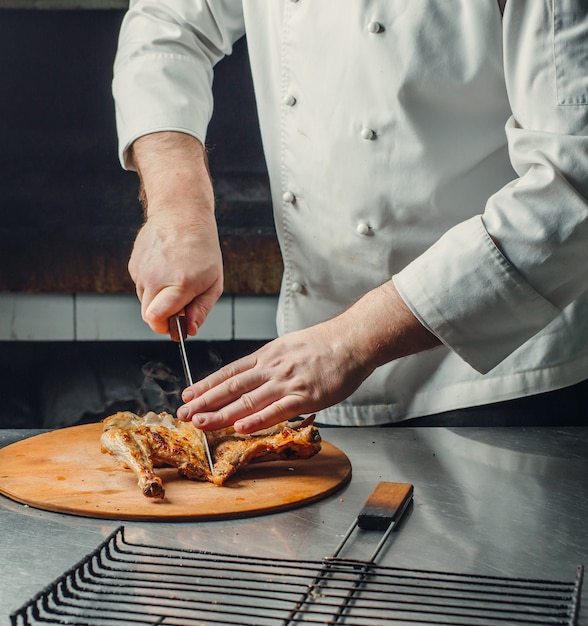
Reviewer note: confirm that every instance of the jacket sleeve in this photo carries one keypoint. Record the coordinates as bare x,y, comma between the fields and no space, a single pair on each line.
494,281
164,65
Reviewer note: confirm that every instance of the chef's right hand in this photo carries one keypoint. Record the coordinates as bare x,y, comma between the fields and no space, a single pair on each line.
176,264
176,260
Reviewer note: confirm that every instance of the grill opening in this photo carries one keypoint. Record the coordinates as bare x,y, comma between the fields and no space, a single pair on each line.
132,583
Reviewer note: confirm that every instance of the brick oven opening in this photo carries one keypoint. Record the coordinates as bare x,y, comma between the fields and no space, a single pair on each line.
60,384
70,213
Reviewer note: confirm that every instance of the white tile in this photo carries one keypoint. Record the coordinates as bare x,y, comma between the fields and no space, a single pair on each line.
255,317
36,317
110,317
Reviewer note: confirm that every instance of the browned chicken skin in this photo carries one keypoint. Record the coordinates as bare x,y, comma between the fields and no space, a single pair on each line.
156,440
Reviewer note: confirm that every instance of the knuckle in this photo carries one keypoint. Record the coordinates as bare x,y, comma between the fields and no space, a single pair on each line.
234,386
231,370
214,418
291,406
202,406
279,410
247,402
254,423
201,387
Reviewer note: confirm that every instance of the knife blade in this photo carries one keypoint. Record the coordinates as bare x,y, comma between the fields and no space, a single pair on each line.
178,333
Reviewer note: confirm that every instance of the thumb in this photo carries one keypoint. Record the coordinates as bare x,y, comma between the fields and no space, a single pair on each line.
164,304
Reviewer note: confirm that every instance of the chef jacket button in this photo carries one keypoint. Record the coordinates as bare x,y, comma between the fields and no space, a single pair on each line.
363,228
288,196
289,100
375,28
367,134
296,287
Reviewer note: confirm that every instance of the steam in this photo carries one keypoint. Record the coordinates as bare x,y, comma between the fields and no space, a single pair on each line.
162,388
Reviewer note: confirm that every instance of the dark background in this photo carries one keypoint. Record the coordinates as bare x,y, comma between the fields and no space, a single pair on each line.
69,214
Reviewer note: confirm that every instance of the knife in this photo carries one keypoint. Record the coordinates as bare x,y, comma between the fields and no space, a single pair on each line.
178,333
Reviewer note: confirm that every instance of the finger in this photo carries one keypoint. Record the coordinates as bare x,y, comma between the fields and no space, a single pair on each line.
162,306
228,401
247,404
222,376
146,298
171,299
271,415
285,409
212,393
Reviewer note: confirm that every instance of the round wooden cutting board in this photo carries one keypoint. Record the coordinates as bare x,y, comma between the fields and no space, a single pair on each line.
64,471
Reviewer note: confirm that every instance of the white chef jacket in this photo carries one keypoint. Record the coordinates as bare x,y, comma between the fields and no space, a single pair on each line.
435,142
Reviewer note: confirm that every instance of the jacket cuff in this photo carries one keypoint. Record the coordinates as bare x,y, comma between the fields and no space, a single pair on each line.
155,79
468,294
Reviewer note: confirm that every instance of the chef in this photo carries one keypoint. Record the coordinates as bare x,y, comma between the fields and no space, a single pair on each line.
428,163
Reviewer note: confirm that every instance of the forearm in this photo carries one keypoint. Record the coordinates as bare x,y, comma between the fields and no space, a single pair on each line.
176,260
381,328
173,171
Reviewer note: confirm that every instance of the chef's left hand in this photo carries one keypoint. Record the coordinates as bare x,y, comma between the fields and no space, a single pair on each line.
308,370
301,372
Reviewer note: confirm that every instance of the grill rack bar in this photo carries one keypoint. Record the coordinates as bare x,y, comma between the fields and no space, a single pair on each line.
131,583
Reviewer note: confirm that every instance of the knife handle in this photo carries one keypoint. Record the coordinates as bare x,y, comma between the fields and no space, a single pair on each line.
385,505
177,324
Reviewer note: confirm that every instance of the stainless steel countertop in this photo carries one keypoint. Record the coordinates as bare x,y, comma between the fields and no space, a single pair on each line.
506,502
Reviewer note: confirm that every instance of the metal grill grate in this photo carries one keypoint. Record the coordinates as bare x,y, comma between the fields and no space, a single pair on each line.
131,583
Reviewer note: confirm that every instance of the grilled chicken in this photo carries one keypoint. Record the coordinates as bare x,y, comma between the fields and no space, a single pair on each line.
157,440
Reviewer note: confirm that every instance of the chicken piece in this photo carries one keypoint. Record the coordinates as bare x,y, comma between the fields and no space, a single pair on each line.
129,447
156,440
285,441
